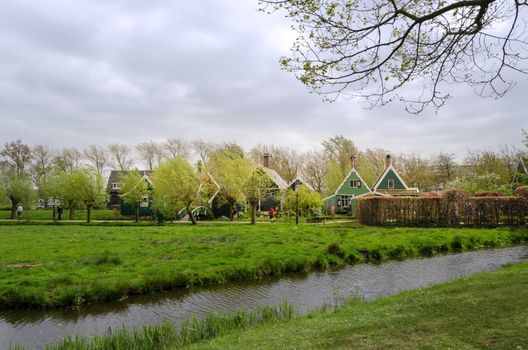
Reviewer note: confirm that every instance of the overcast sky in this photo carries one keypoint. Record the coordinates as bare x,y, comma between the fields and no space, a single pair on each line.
74,73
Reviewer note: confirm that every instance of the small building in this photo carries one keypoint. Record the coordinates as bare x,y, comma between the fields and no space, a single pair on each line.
298,181
390,183
343,201
276,192
113,187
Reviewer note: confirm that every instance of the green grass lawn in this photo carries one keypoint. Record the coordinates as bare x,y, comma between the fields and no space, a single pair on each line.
47,214
486,311
70,265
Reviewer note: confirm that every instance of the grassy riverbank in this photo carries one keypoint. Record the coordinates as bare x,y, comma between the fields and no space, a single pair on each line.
488,310
47,266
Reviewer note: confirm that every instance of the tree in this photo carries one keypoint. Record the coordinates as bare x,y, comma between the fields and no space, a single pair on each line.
97,157
285,161
91,189
120,156
70,183
444,164
67,159
16,158
151,153
511,156
340,149
490,182
257,186
486,162
315,170
203,149
231,172
18,189
51,187
134,189
176,148
177,185
309,201
416,171
41,167
42,161
370,49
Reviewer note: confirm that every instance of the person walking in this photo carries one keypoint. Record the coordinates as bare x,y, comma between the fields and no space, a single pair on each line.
272,215
20,209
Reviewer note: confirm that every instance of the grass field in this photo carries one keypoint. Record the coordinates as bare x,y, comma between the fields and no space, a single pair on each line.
47,214
485,311
48,266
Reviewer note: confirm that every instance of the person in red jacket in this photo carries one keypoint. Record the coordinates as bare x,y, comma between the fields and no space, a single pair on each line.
272,215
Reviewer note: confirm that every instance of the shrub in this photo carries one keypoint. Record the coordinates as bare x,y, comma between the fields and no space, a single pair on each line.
487,194
521,191
335,249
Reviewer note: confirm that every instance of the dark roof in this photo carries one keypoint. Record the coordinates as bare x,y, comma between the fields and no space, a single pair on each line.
115,175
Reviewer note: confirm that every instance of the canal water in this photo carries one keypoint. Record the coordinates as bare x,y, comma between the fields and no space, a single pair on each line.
35,329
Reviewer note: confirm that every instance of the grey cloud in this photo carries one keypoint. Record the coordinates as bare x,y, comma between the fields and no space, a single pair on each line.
74,73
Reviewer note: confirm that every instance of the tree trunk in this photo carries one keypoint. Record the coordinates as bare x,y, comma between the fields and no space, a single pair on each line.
253,213
13,208
89,213
72,210
137,212
191,216
54,211
231,210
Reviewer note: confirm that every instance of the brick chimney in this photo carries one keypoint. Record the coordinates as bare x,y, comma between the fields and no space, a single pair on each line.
353,161
388,161
266,160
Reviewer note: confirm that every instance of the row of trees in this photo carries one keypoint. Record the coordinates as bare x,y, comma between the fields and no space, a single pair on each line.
25,168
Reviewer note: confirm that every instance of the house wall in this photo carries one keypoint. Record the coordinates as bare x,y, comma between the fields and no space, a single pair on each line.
391,175
347,189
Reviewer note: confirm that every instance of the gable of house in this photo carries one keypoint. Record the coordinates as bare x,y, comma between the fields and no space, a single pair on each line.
353,185
390,180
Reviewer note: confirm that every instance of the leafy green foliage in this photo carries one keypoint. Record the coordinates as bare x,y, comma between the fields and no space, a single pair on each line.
177,186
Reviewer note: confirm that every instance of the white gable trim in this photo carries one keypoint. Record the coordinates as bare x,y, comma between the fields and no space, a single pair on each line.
389,168
353,170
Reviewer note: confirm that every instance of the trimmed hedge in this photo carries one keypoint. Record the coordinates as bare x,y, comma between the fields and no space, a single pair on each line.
454,208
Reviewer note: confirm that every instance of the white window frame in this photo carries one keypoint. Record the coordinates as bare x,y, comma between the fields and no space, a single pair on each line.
390,183
116,186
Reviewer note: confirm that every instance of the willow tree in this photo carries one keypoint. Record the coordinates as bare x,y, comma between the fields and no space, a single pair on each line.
19,190
135,189
371,49
256,187
177,186
91,189
231,172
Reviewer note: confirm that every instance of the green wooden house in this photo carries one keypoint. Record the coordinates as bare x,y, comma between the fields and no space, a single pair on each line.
390,183
343,201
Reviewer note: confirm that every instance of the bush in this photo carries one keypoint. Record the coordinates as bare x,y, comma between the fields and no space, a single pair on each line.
454,208
521,191
335,249
487,194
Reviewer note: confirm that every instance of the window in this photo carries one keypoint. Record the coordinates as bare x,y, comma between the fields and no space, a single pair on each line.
345,201
390,183
115,186
355,183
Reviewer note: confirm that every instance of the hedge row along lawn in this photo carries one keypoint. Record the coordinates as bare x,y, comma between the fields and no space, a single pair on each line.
54,266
